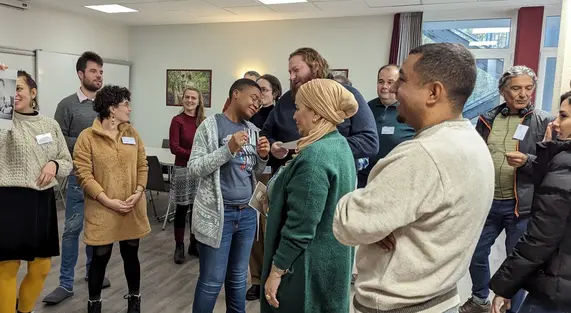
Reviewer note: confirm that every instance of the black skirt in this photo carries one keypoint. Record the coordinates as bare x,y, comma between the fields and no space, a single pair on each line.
28,224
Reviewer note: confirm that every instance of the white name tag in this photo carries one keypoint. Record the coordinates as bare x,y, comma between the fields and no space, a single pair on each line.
44,138
520,132
388,130
128,140
267,170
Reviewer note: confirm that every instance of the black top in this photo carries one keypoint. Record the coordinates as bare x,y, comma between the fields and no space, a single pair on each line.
260,118
541,260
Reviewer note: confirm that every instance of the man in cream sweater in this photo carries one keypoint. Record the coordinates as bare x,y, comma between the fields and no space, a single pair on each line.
418,219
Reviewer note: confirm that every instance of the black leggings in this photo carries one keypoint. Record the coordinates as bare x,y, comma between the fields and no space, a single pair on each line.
101,255
180,215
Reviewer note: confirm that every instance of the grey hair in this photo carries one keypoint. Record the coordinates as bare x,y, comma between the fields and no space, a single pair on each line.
515,71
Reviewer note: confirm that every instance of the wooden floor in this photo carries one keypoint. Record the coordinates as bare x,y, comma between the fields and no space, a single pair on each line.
165,286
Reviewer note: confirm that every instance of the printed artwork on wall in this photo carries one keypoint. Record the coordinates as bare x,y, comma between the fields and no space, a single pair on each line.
339,72
179,79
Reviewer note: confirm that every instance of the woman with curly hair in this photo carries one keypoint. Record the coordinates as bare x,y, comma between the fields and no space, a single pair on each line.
112,170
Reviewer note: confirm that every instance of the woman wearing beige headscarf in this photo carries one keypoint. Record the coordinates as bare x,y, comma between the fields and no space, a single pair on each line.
305,268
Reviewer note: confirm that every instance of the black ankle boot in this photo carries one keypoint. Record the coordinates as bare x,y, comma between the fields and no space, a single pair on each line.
179,257
94,306
134,303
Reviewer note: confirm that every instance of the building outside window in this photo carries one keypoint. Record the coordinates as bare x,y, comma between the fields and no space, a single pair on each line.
489,41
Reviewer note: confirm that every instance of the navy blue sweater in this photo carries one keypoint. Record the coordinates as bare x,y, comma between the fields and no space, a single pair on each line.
385,116
360,130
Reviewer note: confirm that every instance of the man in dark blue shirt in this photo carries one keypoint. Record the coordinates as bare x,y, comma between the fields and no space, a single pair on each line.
306,64
391,132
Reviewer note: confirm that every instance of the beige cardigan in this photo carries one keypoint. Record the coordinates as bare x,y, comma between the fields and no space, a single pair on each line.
105,164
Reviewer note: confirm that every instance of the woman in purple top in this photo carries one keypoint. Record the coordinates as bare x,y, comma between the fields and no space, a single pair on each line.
181,136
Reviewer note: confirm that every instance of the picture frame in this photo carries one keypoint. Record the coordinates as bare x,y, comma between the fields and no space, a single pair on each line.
339,71
179,79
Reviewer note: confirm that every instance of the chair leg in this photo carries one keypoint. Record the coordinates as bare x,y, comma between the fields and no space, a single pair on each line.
167,216
154,207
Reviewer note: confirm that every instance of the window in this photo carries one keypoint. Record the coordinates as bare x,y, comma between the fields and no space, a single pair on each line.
551,32
474,34
548,83
489,41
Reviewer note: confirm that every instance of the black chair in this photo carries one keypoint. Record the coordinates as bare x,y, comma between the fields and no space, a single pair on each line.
155,182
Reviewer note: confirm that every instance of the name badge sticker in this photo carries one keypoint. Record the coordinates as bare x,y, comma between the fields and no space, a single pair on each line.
388,130
520,132
128,140
44,138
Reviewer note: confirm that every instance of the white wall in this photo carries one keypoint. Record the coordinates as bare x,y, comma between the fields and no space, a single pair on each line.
360,44
42,28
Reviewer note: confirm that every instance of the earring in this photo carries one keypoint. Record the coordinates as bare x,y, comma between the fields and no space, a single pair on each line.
112,119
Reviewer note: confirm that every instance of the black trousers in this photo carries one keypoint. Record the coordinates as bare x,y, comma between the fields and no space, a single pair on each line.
102,254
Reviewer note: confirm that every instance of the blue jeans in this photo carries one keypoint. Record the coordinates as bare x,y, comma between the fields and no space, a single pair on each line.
70,240
501,216
535,305
228,264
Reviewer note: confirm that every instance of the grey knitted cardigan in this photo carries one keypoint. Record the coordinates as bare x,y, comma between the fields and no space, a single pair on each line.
204,164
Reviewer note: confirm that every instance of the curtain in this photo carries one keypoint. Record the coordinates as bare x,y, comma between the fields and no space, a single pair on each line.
407,35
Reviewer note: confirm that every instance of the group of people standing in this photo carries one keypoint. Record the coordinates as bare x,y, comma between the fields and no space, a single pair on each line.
106,184
413,212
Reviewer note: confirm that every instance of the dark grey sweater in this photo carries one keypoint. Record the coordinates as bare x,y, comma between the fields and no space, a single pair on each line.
73,117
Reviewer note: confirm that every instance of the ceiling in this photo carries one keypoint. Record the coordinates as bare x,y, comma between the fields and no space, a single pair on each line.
163,12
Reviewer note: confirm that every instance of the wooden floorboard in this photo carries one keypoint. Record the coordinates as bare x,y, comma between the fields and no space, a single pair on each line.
165,286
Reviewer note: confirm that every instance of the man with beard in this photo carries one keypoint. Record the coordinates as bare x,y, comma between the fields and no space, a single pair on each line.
306,64
74,114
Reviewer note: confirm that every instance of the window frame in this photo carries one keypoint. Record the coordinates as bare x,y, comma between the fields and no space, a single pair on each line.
507,54
544,54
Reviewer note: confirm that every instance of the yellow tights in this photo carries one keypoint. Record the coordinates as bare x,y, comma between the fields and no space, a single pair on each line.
30,288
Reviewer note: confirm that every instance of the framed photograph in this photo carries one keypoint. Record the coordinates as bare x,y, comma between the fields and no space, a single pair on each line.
7,97
339,72
179,79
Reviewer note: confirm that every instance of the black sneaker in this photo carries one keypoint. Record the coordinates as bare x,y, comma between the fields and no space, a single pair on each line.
94,306
58,295
253,293
179,257
133,303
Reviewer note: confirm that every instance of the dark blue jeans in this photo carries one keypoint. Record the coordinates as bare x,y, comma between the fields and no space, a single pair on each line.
70,239
535,305
501,216
228,264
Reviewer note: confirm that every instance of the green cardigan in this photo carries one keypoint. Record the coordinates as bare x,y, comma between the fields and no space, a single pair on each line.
299,234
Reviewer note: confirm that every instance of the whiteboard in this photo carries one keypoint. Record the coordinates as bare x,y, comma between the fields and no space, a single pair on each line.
58,79
19,62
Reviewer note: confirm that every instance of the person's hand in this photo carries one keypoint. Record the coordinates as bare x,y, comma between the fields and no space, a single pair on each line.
238,140
47,174
516,159
263,147
3,67
278,150
501,304
271,289
134,198
119,206
548,132
388,243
